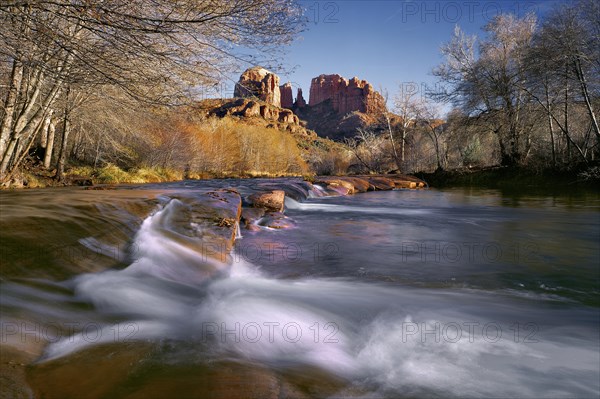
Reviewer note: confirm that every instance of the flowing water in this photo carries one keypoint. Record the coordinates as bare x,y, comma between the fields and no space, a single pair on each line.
460,293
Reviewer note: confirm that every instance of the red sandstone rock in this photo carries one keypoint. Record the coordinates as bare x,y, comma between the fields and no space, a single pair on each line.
300,101
273,117
251,109
287,116
276,220
261,83
380,183
287,98
269,113
346,95
336,183
271,201
251,216
360,185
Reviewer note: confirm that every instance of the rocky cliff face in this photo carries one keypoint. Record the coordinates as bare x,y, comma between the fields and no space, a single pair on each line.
300,101
287,98
346,95
260,83
337,106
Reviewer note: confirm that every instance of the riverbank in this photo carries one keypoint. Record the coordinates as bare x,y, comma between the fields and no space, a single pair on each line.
112,174
507,178
504,178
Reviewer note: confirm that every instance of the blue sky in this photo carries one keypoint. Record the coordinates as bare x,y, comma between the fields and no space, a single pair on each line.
389,43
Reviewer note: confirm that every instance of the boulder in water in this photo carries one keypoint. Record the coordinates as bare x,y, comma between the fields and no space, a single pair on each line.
298,191
250,216
272,201
337,184
277,220
381,183
360,185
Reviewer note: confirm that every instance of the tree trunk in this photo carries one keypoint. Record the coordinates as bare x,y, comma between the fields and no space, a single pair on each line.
31,105
24,147
566,121
551,126
45,126
437,153
10,104
396,160
62,155
50,146
403,146
8,155
26,129
586,97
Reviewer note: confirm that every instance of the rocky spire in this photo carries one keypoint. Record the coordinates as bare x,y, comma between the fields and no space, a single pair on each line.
260,83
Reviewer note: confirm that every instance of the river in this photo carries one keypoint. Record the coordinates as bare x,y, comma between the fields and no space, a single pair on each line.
404,293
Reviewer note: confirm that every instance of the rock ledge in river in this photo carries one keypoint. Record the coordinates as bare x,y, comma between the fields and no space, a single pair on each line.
271,201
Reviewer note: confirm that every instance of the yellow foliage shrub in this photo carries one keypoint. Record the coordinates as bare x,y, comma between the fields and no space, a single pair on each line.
229,147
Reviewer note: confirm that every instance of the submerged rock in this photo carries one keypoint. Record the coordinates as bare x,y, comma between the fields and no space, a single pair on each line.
298,191
276,220
213,217
344,185
251,216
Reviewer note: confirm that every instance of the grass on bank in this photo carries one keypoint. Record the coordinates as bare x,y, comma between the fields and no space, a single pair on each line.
112,174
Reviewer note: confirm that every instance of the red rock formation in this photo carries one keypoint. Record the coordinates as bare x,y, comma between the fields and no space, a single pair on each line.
300,101
287,116
287,98
260,83
273,117
272,201
346,95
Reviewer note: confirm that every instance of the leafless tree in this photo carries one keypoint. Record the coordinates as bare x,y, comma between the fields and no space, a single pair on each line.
491,85
406,106
155,51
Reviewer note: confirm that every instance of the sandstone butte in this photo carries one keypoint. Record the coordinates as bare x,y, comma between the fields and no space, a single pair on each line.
346,95
300,101
336,108
287,97
260,83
